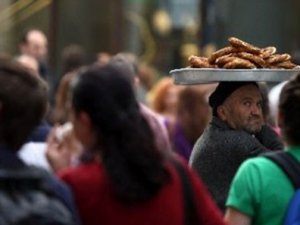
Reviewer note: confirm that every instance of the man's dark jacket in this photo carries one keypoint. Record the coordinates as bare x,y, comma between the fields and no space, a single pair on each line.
220,150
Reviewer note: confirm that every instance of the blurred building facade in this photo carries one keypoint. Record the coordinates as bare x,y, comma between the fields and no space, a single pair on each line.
16,16
264,23
162,33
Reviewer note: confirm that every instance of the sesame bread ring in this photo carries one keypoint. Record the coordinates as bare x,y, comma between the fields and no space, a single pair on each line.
260,62
286,65
239,63
278,58
221,52
221,61
243,46
199,62
267,52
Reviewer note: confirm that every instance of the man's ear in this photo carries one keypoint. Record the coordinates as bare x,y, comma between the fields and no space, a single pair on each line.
85,120
85,132
222,113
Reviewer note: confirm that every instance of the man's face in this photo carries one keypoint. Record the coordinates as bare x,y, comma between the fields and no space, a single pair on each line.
243,109
36,45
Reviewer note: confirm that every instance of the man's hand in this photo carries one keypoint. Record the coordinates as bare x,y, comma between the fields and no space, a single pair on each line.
58,152
269,138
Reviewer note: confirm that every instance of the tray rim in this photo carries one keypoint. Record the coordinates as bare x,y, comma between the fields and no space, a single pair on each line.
258,70
188,75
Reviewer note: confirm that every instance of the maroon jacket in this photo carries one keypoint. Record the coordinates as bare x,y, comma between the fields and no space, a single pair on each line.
98,205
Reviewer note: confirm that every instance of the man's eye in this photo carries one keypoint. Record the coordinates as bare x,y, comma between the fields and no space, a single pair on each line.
247,103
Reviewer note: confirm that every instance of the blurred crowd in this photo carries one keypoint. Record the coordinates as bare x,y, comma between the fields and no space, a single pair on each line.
135,148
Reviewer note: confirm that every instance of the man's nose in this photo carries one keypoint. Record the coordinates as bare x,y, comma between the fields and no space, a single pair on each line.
256,109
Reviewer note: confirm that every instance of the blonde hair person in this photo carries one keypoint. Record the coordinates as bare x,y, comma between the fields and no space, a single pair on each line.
163,97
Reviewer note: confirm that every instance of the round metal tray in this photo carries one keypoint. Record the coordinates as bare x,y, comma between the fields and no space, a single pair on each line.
206,75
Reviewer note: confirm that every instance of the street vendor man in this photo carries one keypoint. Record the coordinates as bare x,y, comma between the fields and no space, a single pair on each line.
237,132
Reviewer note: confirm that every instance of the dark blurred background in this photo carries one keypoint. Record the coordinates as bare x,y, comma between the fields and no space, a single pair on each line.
161,33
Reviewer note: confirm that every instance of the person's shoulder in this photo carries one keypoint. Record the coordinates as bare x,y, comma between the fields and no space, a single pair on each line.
226,136
49,180
149,113
259,163
240,140
221,129
79,174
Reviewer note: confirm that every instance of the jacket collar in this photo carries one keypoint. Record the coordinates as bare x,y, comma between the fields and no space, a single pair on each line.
9,159
219,123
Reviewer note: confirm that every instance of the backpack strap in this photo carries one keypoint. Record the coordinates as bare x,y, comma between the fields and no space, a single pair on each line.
190,212
288,164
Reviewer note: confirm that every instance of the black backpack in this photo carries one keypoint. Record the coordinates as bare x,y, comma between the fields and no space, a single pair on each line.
27,199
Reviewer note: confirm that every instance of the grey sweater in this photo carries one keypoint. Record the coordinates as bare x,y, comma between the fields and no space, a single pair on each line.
220,150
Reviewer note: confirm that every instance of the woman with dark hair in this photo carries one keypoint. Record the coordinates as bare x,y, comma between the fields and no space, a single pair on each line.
129,181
